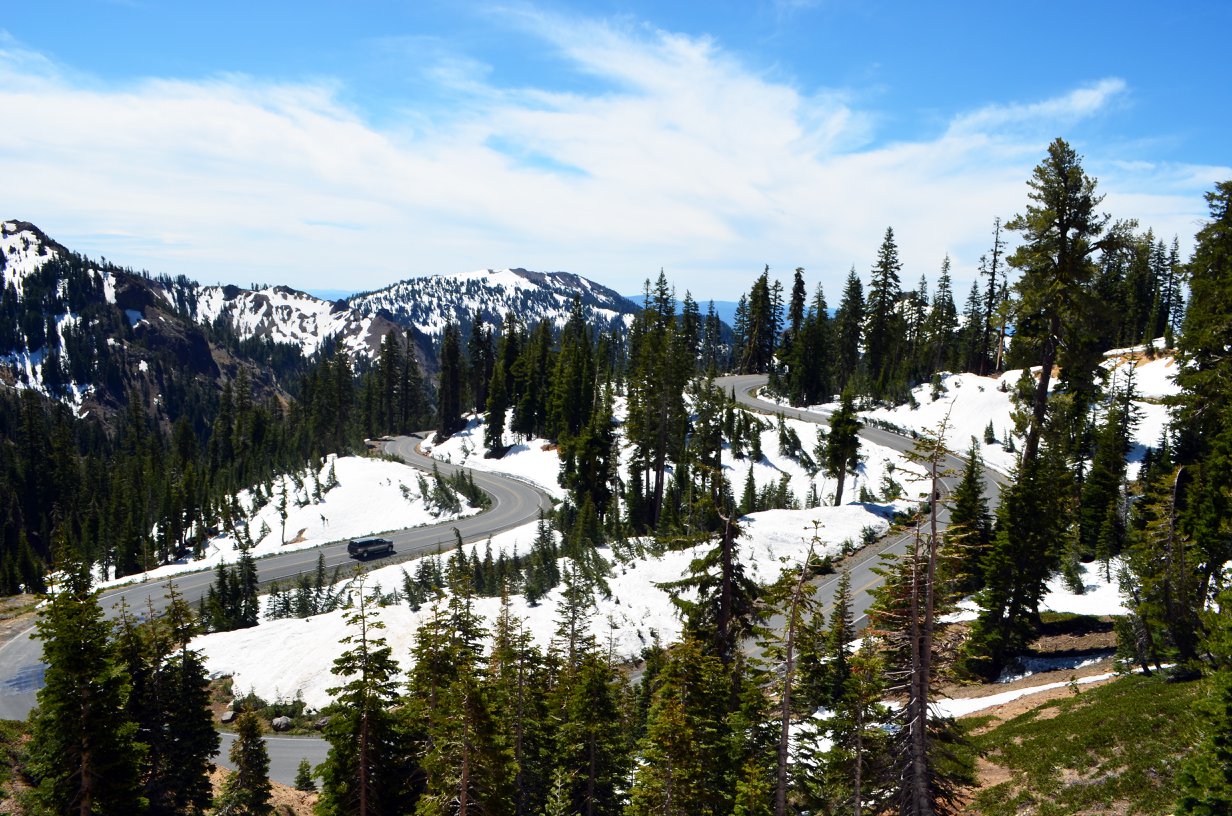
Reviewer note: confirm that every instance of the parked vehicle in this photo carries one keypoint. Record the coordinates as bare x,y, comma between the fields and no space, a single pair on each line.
362,548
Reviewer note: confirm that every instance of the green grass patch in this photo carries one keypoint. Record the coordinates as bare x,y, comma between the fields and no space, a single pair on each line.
1119,745
12,750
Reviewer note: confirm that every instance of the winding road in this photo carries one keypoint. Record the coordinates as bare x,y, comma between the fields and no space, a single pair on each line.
514,503
860,565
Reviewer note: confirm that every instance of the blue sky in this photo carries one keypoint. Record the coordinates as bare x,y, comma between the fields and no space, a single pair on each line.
332,146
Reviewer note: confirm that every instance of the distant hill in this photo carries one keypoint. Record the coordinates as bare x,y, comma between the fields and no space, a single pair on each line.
429,303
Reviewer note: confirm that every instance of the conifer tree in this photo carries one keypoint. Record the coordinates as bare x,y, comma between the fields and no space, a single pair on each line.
884,322
995,272
1205,778
304,780
518,675
931,764
84,757
941,326
368,770
684,769
531,383
1026,550
1061,229
572,385
481,357
848,331
181,736
592,747
1205,399
496,409
842,454
247,791
969,532
449,387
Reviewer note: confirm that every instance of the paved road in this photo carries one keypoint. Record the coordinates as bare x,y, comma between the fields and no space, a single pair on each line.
514,503
859,566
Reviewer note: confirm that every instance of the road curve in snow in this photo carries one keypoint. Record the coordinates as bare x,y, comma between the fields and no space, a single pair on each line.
860,565
514,503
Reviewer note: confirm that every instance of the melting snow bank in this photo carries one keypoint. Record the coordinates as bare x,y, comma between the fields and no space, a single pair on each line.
961,707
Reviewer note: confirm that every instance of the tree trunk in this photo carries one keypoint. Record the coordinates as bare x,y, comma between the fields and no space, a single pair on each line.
1040,406
789,666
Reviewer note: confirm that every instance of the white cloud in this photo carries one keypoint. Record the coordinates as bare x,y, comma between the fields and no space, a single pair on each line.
685,159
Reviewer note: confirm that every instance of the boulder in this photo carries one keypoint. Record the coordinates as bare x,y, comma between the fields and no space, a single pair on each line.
228,716
281,723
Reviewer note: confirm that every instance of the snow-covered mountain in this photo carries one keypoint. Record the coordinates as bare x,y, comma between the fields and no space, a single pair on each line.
285,315
91,334
424,304
65,283
429,303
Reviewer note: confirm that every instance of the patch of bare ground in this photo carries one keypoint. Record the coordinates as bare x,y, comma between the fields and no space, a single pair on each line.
286,801
17,614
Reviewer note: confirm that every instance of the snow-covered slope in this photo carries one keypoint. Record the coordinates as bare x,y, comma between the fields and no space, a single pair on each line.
87,332
429,303
285,315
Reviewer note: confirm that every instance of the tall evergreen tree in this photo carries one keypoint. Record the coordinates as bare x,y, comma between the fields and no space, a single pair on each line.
449,387
842,453
368,770
884,321
84,757
848,331
247,791
1061,229
685,769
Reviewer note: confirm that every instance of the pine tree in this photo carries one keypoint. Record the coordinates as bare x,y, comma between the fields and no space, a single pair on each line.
992,268
592,746
84,757
683,770
247,792
969,533
518,675
842,454
304,779
184,738
497,407
572,395
1031,531
849,331
1060,229
1205,430
368,770
1205,778
449,387
941,333
885,324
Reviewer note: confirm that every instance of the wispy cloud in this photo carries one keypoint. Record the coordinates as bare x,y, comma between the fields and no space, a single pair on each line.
1074,106
684,158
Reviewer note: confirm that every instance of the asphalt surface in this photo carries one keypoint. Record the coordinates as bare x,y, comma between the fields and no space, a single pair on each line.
514,503
860,566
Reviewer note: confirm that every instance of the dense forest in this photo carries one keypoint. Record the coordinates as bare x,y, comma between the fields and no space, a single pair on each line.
489,723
